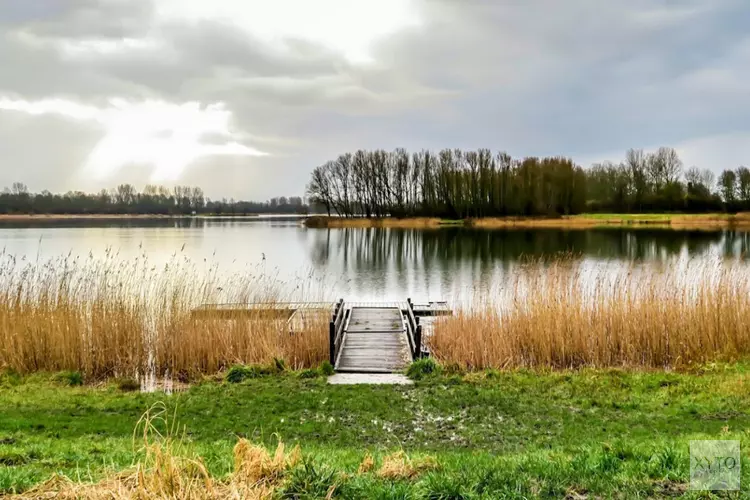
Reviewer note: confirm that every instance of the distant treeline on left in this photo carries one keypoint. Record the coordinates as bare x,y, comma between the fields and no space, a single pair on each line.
153,200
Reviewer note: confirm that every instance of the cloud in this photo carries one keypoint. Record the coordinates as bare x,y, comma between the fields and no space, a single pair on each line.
165,136
305,81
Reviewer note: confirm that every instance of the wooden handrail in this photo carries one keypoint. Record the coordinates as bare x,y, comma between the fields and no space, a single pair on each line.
418,342
414,331
335,328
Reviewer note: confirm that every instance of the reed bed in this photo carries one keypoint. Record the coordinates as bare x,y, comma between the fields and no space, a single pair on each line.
583,221
112,317
369,222
561,315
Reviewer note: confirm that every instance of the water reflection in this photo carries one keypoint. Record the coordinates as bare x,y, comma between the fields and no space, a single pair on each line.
452,263
380,247
362,264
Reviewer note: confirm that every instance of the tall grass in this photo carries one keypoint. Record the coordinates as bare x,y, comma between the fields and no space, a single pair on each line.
113,317
560,315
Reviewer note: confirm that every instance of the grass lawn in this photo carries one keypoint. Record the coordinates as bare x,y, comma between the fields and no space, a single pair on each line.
494,435
606,216
650,217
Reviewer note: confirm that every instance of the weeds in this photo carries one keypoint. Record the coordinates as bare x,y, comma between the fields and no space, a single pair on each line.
423,368
69,378
127,384
326,368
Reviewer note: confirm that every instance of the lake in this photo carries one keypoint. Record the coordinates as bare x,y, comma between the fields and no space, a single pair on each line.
364,264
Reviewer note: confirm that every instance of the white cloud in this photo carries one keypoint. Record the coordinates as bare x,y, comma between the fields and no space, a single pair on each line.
345,26
718,152
62,107
164,135
83,47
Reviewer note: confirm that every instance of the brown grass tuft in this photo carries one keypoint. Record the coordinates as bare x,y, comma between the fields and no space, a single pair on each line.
367,465
254,465
399,466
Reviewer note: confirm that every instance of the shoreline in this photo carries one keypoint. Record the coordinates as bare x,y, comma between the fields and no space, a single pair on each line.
64,217
713,221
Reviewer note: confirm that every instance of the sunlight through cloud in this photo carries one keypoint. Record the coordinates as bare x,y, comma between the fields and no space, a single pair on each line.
164,135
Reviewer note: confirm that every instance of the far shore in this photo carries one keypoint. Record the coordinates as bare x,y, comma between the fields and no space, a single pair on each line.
582,222
54,217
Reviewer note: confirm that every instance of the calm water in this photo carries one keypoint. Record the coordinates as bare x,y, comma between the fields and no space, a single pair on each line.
363,264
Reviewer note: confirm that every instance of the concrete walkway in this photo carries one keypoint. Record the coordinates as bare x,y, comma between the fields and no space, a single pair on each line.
369,378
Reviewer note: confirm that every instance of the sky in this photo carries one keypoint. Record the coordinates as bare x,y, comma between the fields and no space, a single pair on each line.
245,97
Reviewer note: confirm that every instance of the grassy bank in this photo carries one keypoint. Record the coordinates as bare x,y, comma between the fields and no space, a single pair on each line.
589,433
365,222
64,217
582,221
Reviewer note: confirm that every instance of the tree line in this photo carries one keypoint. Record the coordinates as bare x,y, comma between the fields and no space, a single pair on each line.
462,184
126,199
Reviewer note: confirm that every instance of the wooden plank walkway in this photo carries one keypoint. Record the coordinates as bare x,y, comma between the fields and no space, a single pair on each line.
363,337
374,341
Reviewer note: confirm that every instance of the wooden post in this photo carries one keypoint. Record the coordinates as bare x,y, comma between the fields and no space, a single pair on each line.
418,342
332,342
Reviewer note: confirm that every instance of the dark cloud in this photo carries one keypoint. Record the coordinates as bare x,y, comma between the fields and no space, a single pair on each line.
78,18
581,78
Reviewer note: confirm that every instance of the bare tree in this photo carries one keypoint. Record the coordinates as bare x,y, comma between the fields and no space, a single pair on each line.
743,184
319,188
728,185
19,189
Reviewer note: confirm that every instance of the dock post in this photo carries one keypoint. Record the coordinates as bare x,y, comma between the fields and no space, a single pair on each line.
418,341
332,343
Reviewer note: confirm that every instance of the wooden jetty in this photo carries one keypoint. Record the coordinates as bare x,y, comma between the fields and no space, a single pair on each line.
375,337
268,310
364,337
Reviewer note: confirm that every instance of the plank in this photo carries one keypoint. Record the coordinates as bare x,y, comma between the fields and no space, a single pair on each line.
374,341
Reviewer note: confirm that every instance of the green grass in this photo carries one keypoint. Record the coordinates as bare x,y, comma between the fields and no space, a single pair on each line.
495,435
649,217
633,217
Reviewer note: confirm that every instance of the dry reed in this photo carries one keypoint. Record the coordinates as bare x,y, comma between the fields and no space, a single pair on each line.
110,317
559,315
677,221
